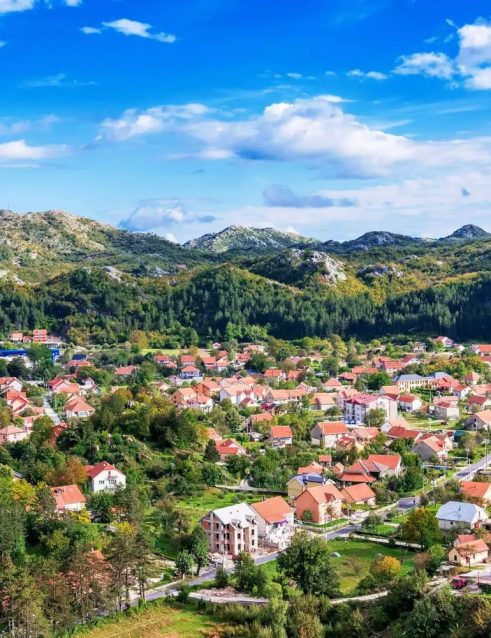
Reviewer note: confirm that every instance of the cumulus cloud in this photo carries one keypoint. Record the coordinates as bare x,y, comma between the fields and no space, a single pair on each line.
472,65
19,151
11,6
157,215
132,28
371,75
309,129
278,195
134,123
433,65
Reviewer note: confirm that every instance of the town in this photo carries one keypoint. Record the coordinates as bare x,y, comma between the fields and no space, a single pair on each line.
209,471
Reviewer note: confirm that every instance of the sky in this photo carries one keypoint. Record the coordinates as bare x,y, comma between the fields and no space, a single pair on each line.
328,118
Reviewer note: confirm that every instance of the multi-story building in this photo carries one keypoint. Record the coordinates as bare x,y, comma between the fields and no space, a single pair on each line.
231,530
357,407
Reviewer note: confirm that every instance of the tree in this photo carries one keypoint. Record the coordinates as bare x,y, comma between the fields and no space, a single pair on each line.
184,564
385,568
211,452
200,547
421,526
221,578
307,561
72,472
42,432
375,418
249,577
432,616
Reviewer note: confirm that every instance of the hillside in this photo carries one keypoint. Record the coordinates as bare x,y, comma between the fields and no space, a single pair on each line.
244,238
38,245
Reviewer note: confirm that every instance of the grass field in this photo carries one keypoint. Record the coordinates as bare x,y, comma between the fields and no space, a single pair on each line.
197,506
156,621
355,560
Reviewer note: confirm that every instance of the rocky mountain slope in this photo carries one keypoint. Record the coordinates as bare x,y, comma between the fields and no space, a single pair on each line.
245,238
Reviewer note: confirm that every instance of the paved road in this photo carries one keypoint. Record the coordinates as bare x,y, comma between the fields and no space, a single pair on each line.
50,412
467,473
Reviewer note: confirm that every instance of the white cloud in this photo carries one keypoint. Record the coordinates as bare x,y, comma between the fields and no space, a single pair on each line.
11,6
309,130
135,28
471,66
171,237
134,123
159,214
294,76
2,43
19,151
90,30
434,65
371,75
60,79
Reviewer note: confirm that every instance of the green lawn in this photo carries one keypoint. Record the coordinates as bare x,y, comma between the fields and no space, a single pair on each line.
355,560
158,620
213,498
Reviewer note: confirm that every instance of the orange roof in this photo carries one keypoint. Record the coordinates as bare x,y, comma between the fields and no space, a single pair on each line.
324,493
390,460
273,510
333,427
351,477
281,432
474,489
66,495
264,416
357,493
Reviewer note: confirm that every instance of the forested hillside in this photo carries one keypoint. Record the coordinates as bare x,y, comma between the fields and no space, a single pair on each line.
231,302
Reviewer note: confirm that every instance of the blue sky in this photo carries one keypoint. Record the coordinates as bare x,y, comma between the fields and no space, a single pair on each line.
325,117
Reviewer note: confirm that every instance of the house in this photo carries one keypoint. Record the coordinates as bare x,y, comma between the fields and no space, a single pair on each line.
446,342
281,435
10,383
229,447
390,390
257,419
409,403
465,515
77,408
275,521
479,421
68,498
397,422
40,336
446,410
361,494
356,408
187,359
105,477
126,371
12,434
327,433
478,402
430,448
162,360
408,382
376,466
274,374
471,378
399,432
188,373
476,492
484,349
468,550
322,401
299,483
232,530
313,468
319,504
325,460
16,337
332,385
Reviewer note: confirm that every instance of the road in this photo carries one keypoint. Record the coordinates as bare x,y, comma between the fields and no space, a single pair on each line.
405,504
467,473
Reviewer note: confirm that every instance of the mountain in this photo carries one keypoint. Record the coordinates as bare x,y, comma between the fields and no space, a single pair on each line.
37,245
468,231
371,240
239,238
